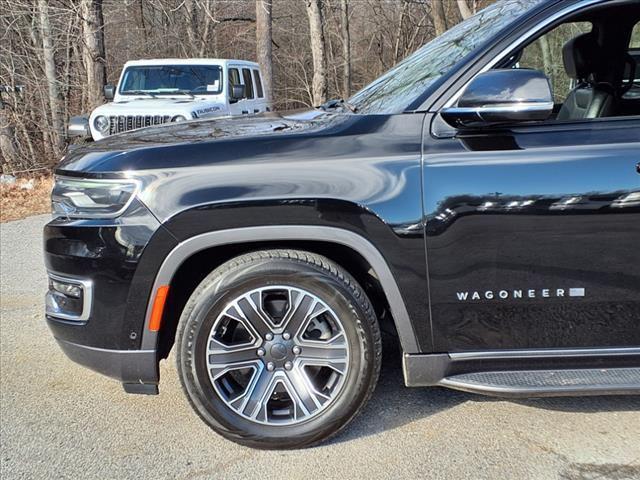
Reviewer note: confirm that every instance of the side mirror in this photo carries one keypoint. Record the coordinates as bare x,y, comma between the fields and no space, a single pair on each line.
237,92
109,92
500,97
79,127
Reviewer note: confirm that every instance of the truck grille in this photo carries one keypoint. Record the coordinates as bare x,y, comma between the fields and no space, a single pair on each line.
123,123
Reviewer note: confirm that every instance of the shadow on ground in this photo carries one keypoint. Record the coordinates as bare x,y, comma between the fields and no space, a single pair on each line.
394,405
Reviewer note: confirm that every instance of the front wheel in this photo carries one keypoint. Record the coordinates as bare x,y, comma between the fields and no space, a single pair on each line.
278,349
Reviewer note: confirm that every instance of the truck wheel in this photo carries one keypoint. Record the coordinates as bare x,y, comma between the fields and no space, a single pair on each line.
278,349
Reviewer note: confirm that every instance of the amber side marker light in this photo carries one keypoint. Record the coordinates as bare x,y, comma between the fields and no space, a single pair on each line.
158,308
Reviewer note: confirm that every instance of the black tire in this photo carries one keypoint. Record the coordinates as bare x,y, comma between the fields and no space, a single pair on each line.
304,270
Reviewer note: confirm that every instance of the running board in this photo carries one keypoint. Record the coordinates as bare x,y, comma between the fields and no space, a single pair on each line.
548,383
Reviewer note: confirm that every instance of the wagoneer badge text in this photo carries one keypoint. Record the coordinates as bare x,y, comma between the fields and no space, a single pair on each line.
528,293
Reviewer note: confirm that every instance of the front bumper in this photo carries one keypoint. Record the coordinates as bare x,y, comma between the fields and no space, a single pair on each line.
112,257
136,369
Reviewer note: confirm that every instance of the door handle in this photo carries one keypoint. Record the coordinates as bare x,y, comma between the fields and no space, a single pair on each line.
638,167
257,110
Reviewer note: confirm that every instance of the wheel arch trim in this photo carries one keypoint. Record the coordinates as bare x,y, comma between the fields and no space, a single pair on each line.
347,238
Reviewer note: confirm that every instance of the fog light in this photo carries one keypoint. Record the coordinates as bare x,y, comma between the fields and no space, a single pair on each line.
68,298
68,289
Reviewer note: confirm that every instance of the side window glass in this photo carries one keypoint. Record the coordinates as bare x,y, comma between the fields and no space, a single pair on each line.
234,78
258,80
545,54
633,92
248,83
634,44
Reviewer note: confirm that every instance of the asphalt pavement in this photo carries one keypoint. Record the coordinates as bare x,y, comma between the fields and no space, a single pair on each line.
59,420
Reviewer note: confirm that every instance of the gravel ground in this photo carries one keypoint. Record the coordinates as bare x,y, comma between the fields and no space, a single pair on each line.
59,420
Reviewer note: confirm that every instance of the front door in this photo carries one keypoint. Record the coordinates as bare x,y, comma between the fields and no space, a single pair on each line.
538,245
237,106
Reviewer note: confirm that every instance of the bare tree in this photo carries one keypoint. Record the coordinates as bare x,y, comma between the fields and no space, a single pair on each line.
465,11
192,27
7,138
319,49
57,140
264,40
346,48
438,16
93,55
318,53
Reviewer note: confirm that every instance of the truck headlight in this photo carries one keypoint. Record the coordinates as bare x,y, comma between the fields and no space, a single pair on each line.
89,198
101,123
178,118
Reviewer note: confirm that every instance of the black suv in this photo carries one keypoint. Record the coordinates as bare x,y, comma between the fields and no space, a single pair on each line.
481,201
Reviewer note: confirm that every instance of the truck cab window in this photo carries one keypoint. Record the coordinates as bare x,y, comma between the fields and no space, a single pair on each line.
248,83
258,80
234,78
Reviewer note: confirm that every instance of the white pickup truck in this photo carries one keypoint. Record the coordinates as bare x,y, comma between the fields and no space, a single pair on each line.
153,92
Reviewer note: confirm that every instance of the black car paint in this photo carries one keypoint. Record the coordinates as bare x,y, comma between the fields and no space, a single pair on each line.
304,176
591,245
387,178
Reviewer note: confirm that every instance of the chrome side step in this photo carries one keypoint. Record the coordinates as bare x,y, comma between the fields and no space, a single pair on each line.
539,383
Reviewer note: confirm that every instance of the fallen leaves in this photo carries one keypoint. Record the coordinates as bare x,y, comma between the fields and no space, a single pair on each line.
26,196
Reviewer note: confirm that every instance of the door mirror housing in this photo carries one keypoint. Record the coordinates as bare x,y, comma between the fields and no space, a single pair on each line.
500,97
237,92
109,92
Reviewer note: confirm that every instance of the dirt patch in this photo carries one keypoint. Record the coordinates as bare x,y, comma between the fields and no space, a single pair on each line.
27,196
607,471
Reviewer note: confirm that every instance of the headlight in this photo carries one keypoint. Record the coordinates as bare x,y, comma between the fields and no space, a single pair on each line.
178,118
101,123
89,198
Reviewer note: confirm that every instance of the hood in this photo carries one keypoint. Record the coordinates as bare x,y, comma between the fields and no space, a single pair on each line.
158,106
94,156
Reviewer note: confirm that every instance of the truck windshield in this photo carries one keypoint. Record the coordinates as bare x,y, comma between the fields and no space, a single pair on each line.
401,86
172,79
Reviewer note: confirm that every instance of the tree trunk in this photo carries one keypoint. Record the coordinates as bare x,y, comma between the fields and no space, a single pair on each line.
547,62
208,17
93,55
319,83
57,135
438,15
264,47
7,143
346,49
465,11
193,20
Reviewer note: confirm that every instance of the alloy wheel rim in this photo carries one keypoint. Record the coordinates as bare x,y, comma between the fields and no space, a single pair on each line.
277,355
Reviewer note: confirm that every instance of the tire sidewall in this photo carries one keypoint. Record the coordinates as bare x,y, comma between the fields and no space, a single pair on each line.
212,297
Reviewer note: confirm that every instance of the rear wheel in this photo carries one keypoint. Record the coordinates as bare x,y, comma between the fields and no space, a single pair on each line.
278,349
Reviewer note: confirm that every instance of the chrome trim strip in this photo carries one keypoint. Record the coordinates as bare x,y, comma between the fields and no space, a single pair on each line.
522,39
545,353
288,232
87,298
520,107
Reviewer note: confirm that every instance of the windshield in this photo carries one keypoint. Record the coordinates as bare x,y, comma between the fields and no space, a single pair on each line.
172,79
394,91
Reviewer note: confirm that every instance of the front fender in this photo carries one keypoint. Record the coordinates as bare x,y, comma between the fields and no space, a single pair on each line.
244,235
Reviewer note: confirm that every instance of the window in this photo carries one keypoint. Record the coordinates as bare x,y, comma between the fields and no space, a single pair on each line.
635,38
234,78
545,54
248,84
258,80
172,79
407,84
